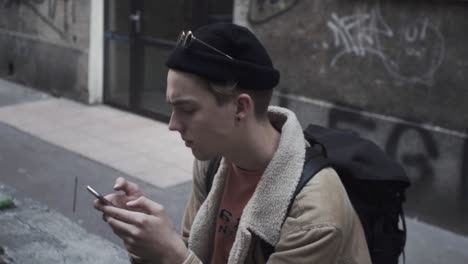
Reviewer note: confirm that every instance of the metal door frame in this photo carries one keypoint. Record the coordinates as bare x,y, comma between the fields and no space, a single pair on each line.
137,42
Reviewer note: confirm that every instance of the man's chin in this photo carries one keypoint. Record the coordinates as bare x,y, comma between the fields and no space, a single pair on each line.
202,156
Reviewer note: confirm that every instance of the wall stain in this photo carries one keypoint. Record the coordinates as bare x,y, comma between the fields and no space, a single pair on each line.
49,18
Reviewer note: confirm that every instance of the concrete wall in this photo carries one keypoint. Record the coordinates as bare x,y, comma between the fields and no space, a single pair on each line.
393,72
44,44
401,58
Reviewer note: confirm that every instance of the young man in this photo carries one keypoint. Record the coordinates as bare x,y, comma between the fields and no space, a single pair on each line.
220,83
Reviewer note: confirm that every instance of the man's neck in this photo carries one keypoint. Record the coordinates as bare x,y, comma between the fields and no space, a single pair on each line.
257,148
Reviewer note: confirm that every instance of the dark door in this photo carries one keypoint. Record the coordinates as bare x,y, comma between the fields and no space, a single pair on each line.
139,35
118,38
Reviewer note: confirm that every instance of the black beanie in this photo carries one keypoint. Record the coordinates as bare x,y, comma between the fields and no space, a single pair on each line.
251,67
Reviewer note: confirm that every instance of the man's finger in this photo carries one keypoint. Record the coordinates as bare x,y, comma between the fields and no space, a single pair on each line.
113,198
119,182
98,205
146,205
123,215
128,187
121,229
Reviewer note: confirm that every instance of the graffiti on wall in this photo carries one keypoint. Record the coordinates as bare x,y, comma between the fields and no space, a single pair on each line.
417,157
421,161
47,12
410,53
261,11
413,146
436,161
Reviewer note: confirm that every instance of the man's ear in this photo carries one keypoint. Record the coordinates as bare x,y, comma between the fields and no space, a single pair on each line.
244,105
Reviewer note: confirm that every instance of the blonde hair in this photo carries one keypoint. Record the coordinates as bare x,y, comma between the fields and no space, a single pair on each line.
225,91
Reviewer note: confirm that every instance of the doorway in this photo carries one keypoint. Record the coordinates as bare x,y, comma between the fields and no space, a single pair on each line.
139,35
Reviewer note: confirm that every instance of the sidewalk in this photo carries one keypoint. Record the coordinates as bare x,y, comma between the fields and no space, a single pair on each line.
51,148
132,144
31,233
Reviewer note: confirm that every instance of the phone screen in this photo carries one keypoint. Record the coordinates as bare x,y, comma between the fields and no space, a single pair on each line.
99,196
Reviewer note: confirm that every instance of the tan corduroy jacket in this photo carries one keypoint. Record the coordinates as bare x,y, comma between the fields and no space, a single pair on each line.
321,227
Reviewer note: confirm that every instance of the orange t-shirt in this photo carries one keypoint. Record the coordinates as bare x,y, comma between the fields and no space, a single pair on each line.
238,189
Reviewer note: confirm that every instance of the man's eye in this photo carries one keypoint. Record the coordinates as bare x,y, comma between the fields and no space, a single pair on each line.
188,110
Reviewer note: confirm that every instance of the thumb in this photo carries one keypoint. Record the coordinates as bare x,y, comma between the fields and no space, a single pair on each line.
145,205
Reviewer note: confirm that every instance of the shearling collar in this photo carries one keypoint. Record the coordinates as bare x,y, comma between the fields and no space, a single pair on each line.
265,212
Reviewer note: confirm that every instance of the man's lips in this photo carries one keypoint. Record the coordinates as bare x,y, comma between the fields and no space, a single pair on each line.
188,143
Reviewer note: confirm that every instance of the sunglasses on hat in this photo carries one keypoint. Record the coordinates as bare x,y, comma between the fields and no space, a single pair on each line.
186,38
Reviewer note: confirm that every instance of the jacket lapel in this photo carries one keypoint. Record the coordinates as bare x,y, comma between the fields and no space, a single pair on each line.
204,225
265,212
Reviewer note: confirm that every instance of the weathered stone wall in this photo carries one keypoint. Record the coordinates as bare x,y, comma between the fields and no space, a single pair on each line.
401,58
44,44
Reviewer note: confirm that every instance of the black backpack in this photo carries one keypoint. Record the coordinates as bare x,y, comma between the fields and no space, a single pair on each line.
375,185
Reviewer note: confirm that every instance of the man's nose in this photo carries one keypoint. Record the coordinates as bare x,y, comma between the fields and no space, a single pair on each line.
174,124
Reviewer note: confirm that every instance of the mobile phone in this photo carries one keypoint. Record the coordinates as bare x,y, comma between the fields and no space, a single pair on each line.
99,196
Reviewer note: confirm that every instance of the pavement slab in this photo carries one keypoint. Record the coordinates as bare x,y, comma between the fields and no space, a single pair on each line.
52,175
12,93
127,142
32,233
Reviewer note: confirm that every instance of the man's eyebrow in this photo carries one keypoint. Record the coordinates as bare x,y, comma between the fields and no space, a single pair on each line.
180,101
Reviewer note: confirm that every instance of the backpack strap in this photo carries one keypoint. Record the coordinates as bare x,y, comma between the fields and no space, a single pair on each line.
313,164
402,217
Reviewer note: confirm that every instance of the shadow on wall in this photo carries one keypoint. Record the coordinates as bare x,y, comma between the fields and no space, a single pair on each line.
437,165
435,159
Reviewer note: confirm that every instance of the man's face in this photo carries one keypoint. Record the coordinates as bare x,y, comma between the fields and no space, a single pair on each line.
205,127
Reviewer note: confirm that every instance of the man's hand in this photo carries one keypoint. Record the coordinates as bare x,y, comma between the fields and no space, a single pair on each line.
131,193
146,230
